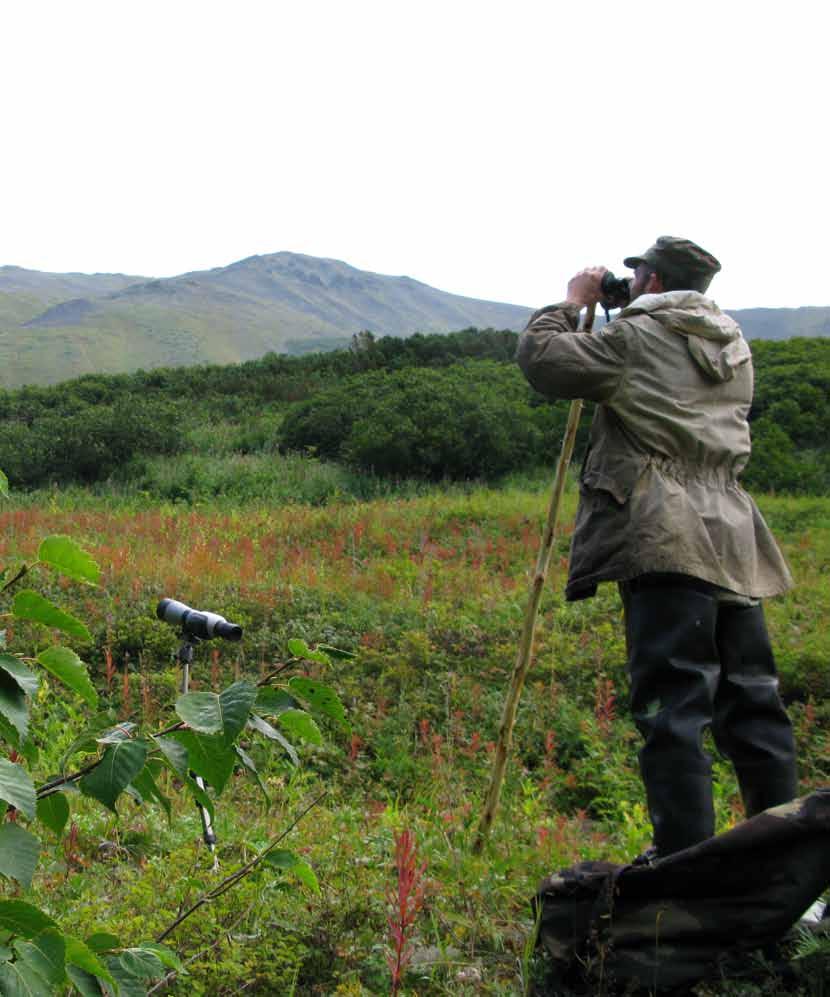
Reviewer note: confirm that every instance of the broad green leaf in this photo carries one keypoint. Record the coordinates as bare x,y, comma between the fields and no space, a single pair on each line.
103,941
19,918
128,984
281,858
274,701
320,698
29,605
4,485
174,753
13,705
79,954
236,702
23,676
46,955
141,963
336,652
300,649
19,852
121,732
257,723
17,788
119,765
53,811
298,722
165,955
85,983
226,712
306,875
71,560
249,764
146,785
65,665
200,711
18,979
208,756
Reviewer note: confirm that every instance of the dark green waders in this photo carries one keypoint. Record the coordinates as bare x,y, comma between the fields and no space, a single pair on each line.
695,661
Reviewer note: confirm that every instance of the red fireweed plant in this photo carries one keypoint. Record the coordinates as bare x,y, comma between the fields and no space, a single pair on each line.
405,901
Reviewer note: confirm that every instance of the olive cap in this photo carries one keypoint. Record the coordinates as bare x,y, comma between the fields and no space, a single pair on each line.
680,258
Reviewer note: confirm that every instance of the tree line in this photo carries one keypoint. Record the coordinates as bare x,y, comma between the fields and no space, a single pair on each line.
429,406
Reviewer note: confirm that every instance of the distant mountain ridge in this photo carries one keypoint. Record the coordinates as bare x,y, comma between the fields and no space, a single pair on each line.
57,326
783,323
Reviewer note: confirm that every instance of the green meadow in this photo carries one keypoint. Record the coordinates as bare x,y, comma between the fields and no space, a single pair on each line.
427,589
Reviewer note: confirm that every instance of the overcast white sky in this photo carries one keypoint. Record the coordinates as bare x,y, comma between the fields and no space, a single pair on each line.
488,149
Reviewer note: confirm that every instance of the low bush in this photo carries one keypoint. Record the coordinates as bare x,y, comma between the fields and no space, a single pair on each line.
473,420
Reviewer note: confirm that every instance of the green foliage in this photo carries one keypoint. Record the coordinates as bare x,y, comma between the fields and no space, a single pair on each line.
118,766
463,421
408,408
63,554
224,714
65,665
17,788
84,442
53,812
29,605
36,957
430,591
18,854
790,417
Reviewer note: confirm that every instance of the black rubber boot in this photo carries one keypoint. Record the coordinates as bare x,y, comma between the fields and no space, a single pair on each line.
750,724
673,669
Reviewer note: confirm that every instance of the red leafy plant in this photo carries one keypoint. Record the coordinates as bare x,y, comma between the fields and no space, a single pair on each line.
405,901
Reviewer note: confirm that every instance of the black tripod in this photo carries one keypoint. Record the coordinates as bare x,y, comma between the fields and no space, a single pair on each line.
185,657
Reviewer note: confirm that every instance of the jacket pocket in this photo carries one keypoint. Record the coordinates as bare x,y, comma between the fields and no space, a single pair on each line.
616,477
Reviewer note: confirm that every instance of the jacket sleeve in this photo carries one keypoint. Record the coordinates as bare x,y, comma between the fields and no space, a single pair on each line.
562,363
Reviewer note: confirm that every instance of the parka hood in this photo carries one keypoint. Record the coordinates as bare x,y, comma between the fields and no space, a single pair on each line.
714,339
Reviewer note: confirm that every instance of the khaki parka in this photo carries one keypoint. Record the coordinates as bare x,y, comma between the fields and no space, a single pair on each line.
659,487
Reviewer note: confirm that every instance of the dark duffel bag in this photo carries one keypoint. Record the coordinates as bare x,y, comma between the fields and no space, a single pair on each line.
692,916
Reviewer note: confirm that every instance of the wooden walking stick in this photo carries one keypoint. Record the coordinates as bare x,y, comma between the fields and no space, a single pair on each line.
525,650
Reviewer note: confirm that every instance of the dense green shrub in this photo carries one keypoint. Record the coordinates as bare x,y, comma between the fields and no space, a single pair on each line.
87,429
778,465
476,419
87,444
790,417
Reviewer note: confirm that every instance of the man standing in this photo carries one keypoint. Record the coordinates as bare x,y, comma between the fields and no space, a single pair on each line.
661,512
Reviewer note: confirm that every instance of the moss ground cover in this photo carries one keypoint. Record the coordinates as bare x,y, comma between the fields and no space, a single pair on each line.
429,591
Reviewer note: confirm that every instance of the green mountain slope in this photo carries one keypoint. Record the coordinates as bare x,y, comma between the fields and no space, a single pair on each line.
284,302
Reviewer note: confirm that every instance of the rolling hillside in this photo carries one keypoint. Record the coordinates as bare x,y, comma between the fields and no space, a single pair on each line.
53,327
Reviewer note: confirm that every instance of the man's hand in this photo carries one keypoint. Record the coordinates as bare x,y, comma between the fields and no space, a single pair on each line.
585,288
